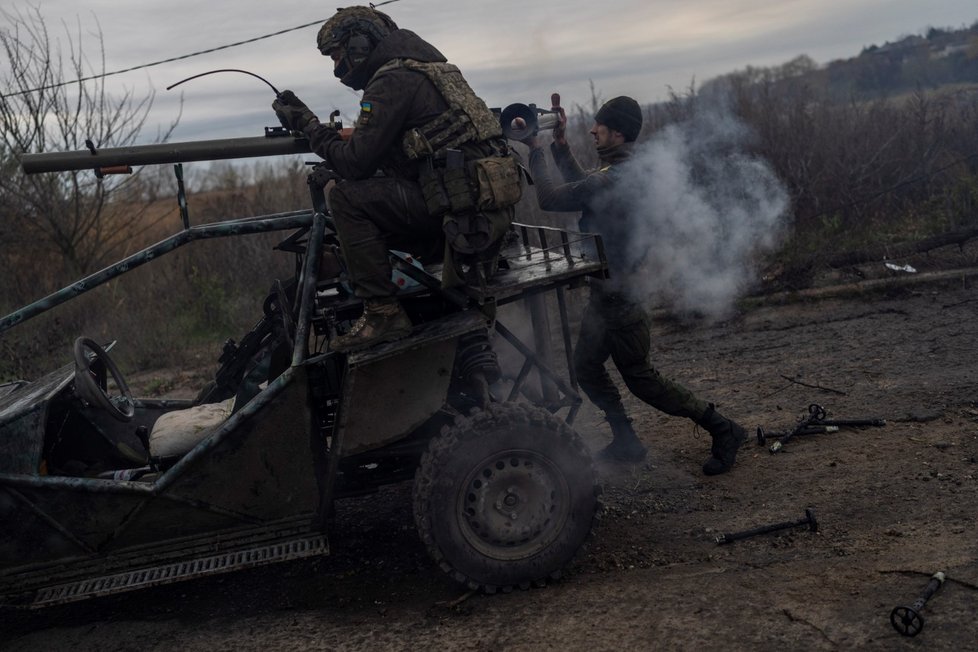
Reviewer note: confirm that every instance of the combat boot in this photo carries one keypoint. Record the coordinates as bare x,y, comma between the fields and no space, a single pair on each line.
625,445
727,436
383,320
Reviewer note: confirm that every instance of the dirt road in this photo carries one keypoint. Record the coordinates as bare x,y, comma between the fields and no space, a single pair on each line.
894,505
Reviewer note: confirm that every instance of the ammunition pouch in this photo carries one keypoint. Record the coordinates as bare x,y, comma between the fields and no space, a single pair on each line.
498,181
472,193
474,199
446,189
486,184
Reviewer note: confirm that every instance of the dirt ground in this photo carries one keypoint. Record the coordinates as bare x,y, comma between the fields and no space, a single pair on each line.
894,505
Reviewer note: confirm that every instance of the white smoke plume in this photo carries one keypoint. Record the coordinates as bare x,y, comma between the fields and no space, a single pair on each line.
701,210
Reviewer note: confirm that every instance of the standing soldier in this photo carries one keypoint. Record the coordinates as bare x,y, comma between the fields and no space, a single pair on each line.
446,167
614,325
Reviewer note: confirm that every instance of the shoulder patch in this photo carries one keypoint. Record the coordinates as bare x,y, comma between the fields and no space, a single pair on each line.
366,110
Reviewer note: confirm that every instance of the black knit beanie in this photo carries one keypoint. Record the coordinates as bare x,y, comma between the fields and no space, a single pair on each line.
622,114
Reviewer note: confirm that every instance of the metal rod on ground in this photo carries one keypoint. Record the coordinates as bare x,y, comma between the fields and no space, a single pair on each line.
815,413
820,429
907,620
809,520
878,423
814,423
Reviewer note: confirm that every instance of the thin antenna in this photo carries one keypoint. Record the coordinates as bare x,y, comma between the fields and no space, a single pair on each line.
211,72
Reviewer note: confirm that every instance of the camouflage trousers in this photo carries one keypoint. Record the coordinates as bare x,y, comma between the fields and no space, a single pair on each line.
616,327
375,215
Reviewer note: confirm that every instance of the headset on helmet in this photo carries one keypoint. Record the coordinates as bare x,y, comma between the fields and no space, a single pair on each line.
356,31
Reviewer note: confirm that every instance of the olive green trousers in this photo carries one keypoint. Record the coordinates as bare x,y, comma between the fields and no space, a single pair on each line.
615,327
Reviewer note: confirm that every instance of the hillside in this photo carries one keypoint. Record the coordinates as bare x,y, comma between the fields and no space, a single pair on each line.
938,58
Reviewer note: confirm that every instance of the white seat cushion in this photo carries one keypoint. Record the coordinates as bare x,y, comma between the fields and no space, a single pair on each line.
177,432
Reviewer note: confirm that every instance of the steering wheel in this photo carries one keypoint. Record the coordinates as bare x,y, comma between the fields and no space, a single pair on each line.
91,382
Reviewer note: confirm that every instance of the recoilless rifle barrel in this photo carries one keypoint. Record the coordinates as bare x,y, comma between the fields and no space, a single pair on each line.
275,142
280,143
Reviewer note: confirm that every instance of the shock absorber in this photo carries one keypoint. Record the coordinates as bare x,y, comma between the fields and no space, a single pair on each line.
477,364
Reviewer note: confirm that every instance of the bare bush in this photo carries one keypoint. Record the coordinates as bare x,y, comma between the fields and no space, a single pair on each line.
62,216
862,173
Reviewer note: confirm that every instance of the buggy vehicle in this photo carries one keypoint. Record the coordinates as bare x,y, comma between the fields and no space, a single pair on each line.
101,492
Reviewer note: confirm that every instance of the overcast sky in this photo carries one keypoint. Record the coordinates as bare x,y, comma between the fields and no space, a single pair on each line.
509,50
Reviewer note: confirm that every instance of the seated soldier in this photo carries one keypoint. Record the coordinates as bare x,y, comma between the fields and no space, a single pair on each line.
445,164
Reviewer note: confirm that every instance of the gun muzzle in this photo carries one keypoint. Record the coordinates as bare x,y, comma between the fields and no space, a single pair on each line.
521,121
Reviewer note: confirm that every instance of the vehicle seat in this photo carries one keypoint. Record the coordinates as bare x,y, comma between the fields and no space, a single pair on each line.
176,433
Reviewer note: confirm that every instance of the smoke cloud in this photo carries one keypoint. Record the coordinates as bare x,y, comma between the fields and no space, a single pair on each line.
700,210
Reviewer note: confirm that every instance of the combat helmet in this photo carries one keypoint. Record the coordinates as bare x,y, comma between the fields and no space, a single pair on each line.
356,31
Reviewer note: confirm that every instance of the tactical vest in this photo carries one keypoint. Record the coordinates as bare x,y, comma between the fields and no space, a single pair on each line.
468,177
467,119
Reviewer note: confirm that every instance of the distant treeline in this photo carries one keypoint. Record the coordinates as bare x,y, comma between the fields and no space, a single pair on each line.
940,58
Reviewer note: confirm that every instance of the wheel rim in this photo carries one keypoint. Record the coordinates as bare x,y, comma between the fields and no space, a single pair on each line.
513,504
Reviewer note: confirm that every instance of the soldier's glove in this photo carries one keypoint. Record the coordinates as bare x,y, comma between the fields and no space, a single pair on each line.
293,113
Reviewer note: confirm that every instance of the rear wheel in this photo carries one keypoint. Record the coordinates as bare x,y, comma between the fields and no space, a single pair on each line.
505,497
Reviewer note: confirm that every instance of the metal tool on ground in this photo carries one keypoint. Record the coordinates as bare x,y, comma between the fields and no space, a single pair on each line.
907,620
815,422
763,436
815,413
809,520
857,423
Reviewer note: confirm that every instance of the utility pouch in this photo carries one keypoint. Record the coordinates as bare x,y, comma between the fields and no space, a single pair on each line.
468,233
433,189
499,182
460,194
446,186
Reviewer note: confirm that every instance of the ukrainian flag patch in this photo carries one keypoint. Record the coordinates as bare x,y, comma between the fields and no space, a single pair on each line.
365,113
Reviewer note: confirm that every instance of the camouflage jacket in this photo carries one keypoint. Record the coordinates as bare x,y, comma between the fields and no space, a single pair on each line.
395,101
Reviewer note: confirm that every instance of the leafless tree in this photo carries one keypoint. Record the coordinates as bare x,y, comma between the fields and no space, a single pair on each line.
54,99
